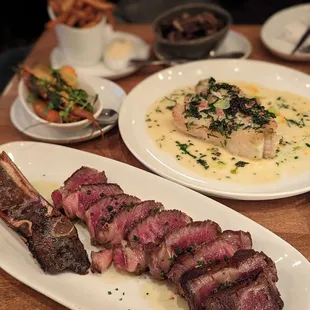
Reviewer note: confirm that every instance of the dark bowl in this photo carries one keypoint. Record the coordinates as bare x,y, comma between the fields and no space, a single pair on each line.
193,48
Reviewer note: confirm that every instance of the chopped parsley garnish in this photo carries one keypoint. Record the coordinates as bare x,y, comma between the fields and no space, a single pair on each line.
170,107
136,238
307,144
241,163
191,248
203,163
184,148
238,165
215,152
190,124
200,263
172,259
299,124
225,107
224,285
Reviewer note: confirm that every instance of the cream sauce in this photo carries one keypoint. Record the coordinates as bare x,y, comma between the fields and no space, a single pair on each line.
45,188
293,155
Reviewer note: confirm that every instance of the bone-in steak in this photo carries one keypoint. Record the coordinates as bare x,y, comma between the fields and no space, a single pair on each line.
181,240
51,237
112,232
260,294
145,236
101,260
199,283
82,176
207,254
103,209
152,229
128,259
78,202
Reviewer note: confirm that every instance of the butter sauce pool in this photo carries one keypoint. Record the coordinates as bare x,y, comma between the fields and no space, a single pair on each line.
200,157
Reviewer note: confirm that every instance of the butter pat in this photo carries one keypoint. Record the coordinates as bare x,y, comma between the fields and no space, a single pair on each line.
117,54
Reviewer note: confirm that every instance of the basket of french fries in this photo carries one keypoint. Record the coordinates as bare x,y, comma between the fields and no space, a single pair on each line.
82,27
79,13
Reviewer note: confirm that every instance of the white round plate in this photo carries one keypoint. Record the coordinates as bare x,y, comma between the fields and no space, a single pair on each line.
281,32
234,42
111,95
101,70
134,132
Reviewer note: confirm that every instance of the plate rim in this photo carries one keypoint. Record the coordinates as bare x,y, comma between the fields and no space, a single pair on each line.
34,285
214,193
296,57
246,55
15,107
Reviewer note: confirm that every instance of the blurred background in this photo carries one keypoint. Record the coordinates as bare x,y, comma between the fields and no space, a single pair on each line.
22,22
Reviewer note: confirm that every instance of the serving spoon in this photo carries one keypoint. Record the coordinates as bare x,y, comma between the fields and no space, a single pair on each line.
171,62
107,117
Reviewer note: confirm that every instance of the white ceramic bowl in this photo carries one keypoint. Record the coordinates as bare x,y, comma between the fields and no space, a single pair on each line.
23,93
82,46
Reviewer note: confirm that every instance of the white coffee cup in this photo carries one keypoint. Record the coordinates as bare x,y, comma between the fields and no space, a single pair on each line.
82,46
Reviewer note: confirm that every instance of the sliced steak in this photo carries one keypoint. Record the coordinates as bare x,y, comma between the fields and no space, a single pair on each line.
150,231
103,209
144,236
85,176
261,294
57,196
82,176
128,259
199,283
50,236
181,240
78,202
112,232
206,254
101,260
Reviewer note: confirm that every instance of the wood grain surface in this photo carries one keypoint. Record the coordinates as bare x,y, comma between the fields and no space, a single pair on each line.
288,218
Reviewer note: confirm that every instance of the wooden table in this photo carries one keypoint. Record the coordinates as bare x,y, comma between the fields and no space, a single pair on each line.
289,218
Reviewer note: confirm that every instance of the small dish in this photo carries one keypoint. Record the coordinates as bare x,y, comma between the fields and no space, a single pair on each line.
23,94
58,59
118,53
282,31
233,42
110,93
194,48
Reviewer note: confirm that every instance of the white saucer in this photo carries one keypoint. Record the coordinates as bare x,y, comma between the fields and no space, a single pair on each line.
281,32
234,42
111,95
100,70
